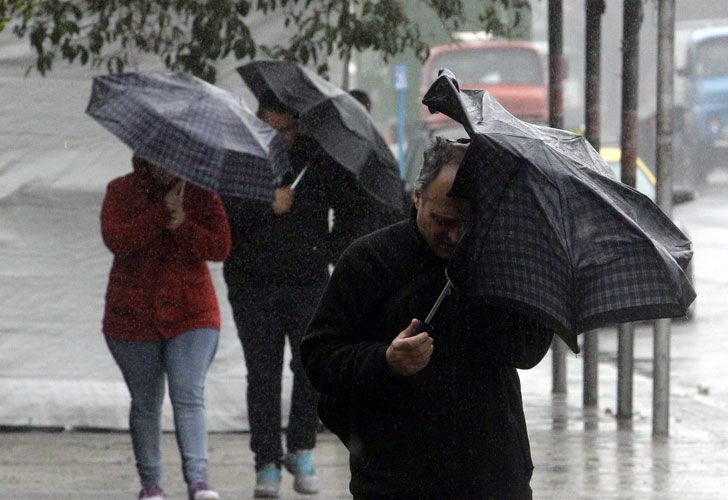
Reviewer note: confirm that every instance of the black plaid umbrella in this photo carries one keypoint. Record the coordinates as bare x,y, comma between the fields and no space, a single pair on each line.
554,235
200,132
335,120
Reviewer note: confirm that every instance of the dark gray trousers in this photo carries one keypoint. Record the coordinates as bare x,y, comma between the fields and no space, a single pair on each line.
265,317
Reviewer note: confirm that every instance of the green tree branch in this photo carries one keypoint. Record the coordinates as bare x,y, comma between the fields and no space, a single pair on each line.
193,35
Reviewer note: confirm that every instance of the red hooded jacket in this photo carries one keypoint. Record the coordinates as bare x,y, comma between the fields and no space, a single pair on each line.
160,285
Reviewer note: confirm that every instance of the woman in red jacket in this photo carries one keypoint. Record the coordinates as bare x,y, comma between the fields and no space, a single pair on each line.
161,316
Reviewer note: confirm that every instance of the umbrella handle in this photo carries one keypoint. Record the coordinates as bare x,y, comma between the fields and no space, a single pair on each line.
422,327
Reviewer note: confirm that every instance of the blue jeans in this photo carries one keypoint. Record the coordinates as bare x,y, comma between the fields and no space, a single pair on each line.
184,360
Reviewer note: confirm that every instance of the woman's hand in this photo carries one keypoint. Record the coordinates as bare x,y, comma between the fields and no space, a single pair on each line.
283,200
174,201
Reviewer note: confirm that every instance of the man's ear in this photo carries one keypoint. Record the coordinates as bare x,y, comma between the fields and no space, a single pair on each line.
418,199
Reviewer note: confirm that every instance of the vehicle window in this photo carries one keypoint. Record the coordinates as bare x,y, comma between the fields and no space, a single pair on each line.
712,58
491,65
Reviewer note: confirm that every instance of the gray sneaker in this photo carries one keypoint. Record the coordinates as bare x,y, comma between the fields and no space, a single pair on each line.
267,481
300,464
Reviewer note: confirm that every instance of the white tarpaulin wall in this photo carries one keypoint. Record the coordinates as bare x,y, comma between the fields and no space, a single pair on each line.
55,162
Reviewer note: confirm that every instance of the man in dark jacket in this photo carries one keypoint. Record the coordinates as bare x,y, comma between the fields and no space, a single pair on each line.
437,414
275,275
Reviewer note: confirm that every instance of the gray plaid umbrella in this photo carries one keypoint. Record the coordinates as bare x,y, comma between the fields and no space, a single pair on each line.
200,132
335,120
554,235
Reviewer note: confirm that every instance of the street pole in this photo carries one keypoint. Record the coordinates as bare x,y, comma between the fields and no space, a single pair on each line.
556,120
592,101
664,157
400,85
346,76
632,19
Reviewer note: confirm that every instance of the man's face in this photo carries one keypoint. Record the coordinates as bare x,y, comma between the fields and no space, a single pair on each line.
285,124
440,219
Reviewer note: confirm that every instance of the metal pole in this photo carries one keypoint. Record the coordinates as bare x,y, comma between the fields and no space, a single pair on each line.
661,378
556,64
625,369
556,120
630,79
346,75
632,19
592,98
664,157
401,117
591,368
558,365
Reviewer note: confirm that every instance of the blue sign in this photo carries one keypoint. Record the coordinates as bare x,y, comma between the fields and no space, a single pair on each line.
400,76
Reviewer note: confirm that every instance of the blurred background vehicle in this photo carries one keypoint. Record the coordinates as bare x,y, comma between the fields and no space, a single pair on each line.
512,71
700,141
702,97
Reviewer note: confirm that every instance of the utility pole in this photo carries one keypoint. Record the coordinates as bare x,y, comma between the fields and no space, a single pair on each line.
664,157
592,104
632,19
556,120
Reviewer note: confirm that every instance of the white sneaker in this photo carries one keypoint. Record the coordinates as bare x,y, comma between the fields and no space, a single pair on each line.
300,464
199,490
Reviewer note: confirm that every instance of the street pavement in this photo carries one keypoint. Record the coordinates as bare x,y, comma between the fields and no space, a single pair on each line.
578,454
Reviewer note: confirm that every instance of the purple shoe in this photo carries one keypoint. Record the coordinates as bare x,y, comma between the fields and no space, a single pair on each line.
151,493
199,490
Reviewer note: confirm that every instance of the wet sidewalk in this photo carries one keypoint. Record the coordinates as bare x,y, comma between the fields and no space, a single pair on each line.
577,455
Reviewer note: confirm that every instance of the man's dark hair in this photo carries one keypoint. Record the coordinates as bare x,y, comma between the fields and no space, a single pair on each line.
362,97
270,103
436,156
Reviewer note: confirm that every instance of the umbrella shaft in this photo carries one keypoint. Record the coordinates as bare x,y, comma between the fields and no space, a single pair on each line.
298,179
445,292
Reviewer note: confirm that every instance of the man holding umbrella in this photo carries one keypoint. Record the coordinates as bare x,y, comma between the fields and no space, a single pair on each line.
436,414
275,275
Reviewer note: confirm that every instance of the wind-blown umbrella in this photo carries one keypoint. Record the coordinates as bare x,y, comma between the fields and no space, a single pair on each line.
553,234
335,120
201,132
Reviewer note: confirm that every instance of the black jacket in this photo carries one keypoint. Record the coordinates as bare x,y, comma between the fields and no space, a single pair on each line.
454,429
295,248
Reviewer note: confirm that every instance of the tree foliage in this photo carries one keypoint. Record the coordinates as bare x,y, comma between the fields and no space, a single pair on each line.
193,34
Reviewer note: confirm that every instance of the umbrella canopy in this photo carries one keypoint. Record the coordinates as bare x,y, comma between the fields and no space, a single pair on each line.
335,120
553,234
201,132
